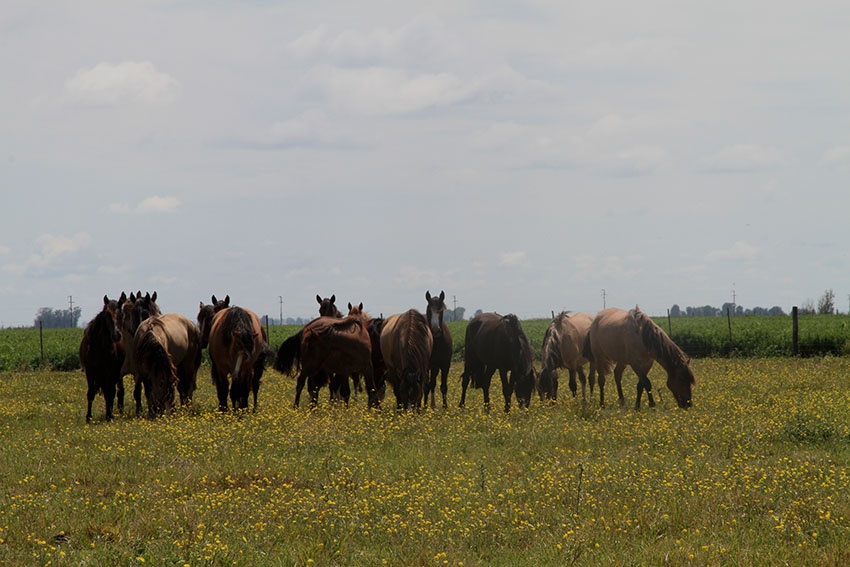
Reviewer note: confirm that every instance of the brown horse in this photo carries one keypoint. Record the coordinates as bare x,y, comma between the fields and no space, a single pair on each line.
238,347
135,309
441,354
563,347
102,355
619,338
325,347
494,342
327,306
406,345
168,354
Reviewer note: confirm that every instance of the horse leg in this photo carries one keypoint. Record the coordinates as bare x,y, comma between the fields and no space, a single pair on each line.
583,379
618,380
221,387
573,385
344,389
90,395
120,393
647,385
302,378
109,398
431,387
444,386
464,383
507,388
601,389
137,392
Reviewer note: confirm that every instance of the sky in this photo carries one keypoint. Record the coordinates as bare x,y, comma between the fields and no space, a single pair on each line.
523,157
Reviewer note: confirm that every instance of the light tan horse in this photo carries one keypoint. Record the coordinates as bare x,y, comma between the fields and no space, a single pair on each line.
238,348
168,354
563,347
406,344
619,338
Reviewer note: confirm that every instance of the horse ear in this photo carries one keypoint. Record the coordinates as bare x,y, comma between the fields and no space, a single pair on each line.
227,300
318,299
153,297
333,298
132,297
361,306
428,295
105,300
123,297
201,305
442,295
214,300
349,306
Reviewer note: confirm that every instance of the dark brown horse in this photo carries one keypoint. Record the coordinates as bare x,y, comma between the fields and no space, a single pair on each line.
238,348
496,342
327,306
619,338
102,356
325,347
406,345
441,354
168,354
563,347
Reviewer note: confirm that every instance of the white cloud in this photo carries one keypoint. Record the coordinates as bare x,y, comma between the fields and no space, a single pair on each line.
741,250
51,248
4,249
113,270
513,259
836,157
603,269
158,204
108,84
742,157
119,208
641,160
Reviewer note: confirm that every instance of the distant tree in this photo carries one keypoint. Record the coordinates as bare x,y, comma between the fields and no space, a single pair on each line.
775,310
675,311
478,312
826,303
807,308
458,313
57,318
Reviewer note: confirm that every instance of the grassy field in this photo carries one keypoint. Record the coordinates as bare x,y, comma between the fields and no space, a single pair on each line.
756,473
752,336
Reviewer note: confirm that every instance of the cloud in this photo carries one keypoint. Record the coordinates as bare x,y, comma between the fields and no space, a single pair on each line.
741,158
113,270
741,250
4,250
836,157
513,259
639,160
158,204
603,269
108,84
51,249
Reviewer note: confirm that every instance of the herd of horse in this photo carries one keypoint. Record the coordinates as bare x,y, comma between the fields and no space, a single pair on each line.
407,350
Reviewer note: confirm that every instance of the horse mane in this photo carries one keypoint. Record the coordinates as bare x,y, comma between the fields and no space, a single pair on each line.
153,355
511,321
551,354
238,323
668,354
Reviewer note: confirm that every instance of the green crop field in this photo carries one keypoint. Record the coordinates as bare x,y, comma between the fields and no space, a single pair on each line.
756,473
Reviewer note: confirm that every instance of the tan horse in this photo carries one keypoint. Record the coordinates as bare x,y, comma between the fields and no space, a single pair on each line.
168,354
406,344
134,310
563,347
238,348
619,338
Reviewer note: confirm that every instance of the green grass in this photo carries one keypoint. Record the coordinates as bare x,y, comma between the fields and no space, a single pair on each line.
755,473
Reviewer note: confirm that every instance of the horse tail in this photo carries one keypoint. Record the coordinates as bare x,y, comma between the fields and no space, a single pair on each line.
551,355
586,350
289,354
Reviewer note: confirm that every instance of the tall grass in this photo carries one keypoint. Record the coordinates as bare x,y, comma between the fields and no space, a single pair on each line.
755,473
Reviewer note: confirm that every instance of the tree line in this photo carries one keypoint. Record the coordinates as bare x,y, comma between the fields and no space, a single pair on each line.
825,306
50,318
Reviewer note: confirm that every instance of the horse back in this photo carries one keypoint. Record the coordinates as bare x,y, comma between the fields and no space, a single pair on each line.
574,330
614,338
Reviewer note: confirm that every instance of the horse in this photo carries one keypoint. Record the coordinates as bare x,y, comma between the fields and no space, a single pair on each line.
238,348
496,342
135,309
328,346
441,354
563,347
619,338
102,356
406,345
327,307
168,354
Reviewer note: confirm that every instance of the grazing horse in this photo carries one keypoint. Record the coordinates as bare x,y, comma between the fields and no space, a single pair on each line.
325,347
168,354
563,347
619,338
441,354
496,342
406,345
102,355
238,347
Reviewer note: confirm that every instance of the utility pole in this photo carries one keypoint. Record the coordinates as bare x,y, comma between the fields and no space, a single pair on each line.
281,309
734,305
454,312
603,298
70,309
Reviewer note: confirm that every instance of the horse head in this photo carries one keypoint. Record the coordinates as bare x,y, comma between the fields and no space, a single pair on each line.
434,311
327,307
680,380
355,310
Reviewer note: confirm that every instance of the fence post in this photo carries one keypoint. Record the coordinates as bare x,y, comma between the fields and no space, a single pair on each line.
795,332
729,321
669,325
41,339
267,327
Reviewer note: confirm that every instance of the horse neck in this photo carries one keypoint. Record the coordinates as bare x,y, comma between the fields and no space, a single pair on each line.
103,326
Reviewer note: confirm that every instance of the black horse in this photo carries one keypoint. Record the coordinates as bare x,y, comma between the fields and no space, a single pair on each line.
496,342
441,353
102,356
